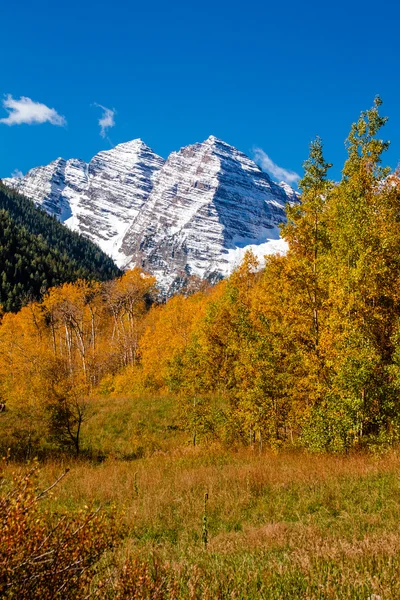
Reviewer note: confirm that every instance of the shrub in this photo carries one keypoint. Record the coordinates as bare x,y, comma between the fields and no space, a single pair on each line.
46,556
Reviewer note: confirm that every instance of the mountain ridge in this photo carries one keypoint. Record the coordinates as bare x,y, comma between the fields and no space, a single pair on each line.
191,214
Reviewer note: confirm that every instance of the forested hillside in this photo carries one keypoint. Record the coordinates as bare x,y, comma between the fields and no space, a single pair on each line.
37,252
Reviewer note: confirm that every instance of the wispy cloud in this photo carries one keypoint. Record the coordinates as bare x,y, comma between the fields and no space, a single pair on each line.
273,169
106,120
17,174
29,112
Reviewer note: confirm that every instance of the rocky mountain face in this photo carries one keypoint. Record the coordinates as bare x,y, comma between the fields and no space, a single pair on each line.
194,214
99,199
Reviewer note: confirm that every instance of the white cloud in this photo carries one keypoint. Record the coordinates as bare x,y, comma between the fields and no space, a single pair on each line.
17,174
268,164
27,111
106,120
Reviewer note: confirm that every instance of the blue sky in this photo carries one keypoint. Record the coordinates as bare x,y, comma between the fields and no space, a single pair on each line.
258,74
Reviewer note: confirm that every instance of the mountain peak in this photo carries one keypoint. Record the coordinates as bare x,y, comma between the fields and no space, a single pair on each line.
58,162
212,140
136,143
136,146
209,201
192,214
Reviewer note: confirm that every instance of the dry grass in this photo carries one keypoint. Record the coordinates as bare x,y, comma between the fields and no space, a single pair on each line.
287,525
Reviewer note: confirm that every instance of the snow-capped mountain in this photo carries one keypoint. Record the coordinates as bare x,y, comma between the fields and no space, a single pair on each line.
208,201
99,199
195,213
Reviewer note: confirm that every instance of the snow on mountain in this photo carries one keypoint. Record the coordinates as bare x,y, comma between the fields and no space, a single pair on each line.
292,195
99,199
195,213
53,186
209,202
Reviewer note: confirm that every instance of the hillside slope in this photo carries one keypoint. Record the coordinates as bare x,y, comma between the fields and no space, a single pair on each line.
38,252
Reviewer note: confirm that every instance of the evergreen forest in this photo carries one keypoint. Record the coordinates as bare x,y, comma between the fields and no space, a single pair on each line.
37,252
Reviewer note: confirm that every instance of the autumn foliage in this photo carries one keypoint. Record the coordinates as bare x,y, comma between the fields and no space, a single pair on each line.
45,556
303,351
54,354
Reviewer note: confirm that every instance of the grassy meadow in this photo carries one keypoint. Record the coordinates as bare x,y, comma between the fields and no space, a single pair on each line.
275,524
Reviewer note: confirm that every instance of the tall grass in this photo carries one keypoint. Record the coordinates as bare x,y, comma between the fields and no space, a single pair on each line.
279,525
